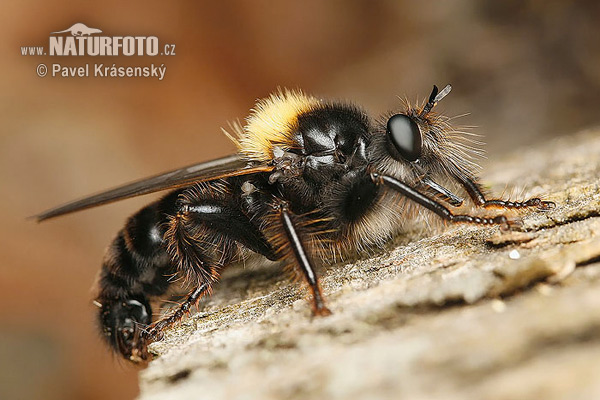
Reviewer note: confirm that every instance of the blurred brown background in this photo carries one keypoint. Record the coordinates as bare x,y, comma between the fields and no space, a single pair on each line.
526,70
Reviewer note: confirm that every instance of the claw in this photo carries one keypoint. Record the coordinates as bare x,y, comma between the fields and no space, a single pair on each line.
509,224
154,333
547,205
515,224
322,312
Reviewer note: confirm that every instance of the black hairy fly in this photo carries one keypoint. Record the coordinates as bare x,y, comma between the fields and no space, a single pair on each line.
312,181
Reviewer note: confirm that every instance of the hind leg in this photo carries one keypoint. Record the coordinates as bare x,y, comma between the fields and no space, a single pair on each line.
202,239
155,330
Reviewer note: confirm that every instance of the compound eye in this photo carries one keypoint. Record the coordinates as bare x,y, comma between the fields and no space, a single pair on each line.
405,137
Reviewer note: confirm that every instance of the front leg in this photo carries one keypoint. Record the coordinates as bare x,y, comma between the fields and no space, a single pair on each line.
476,194
441,191
439,209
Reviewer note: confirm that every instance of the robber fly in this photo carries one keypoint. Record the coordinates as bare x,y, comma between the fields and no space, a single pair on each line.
311,180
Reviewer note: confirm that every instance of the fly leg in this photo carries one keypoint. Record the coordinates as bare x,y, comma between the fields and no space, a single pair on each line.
437,208
475,192
441,191
202,239
296,250
155,330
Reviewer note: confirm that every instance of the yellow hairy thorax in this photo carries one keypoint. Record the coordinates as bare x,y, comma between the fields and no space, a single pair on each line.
271,124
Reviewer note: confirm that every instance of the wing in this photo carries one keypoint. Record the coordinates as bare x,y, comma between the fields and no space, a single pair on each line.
206,171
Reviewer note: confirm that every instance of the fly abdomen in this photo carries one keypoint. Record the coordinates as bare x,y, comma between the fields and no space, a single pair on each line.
137,262
135,269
